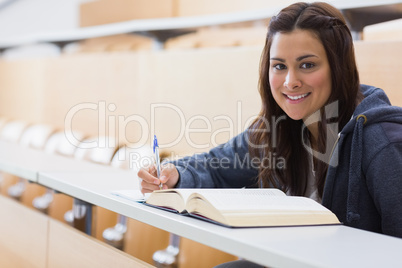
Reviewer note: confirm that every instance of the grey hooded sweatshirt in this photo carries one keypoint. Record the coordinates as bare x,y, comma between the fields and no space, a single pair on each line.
363,188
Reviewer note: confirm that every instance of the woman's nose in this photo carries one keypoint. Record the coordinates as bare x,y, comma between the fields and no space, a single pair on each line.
292,82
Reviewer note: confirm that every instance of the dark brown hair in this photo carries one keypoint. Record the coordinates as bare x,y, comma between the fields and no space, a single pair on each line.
329,26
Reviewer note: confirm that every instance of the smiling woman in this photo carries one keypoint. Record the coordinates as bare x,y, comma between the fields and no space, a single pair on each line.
307,64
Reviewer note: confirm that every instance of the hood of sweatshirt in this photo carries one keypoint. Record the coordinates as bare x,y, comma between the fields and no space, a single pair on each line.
375,108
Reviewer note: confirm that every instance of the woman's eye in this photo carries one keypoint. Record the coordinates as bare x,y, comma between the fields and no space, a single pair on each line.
279,66
307,65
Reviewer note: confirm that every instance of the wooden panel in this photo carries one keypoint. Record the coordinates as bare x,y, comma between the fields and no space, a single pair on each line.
196,255
60,205
21,89
390,30
32,190
103,219
380,65
117,95
114,43
205,7
106,11
23,235
71,248
142,240
7,181
220,37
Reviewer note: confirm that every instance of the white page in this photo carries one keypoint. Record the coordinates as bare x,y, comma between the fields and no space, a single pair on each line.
251,201
232,192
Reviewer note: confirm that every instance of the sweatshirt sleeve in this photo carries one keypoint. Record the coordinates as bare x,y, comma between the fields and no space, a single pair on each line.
227,166
384,180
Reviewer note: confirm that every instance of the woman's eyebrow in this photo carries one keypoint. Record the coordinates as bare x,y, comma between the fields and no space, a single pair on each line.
305,56
298,59
278,59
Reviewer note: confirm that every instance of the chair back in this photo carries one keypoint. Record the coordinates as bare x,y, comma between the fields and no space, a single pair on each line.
12,130
36,136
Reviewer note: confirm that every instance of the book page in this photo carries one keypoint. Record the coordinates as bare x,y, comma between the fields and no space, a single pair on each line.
186,193
254,200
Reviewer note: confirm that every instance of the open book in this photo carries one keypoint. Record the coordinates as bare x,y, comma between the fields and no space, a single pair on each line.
243,207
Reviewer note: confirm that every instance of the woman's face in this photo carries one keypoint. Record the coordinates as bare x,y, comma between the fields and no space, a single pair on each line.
299,73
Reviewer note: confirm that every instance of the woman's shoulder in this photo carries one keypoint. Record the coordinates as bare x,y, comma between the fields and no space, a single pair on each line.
383,132
380,138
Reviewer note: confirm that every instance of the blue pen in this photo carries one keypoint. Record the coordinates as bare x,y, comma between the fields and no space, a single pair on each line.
158,161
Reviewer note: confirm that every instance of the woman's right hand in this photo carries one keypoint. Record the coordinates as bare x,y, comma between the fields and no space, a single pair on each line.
149,180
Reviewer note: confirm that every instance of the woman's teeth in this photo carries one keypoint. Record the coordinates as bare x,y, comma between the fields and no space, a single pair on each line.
297,97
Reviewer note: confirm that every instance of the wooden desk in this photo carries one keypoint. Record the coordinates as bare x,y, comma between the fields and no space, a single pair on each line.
320,246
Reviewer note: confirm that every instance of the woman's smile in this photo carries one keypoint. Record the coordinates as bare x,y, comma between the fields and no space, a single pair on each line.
296,98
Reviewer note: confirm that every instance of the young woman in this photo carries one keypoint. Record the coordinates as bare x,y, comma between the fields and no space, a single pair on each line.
335,140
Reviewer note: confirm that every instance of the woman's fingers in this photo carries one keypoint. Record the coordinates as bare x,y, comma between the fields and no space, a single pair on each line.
169,175
149,181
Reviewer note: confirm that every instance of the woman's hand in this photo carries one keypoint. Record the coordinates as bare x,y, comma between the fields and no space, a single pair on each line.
150,182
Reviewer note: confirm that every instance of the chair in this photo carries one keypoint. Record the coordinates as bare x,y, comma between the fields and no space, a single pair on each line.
60,203
11,131
35,137
104,218
83,216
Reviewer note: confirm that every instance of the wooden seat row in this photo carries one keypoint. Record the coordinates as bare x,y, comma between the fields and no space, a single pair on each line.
390,30
29,238
213,37
138,239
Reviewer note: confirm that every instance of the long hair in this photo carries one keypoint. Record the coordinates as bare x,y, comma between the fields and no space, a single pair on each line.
329,26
